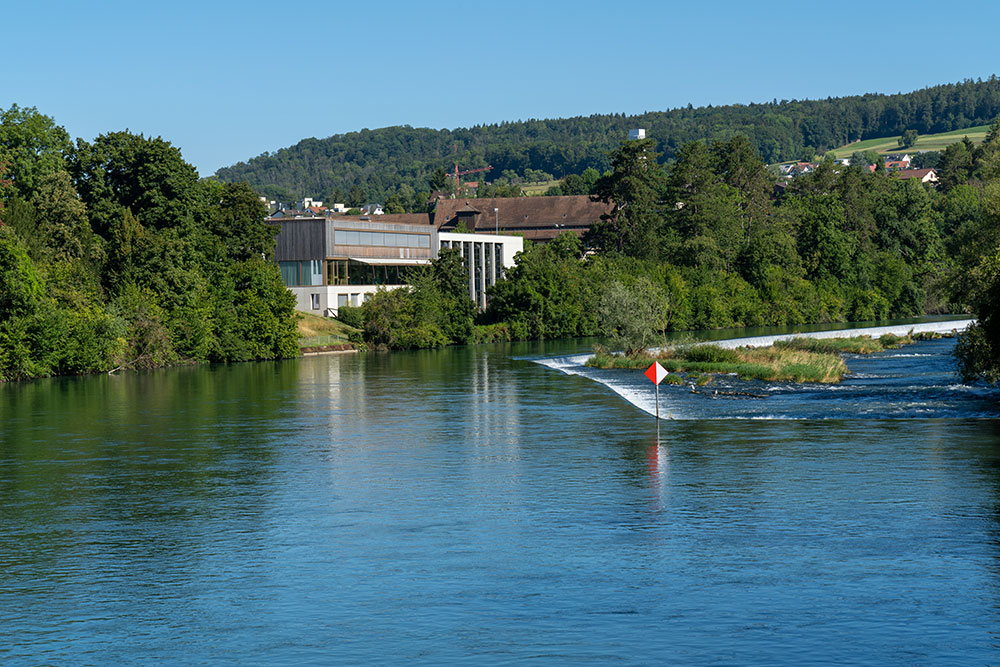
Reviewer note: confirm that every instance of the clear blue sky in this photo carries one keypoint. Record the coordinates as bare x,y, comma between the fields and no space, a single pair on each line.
225,81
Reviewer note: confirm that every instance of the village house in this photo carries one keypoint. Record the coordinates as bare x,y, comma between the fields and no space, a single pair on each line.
923,175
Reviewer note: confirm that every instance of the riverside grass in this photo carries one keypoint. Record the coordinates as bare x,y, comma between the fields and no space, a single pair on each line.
792,360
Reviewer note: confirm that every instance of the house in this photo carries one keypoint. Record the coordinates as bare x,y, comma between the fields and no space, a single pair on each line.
372,209
923,175
895,162
539,219
329,262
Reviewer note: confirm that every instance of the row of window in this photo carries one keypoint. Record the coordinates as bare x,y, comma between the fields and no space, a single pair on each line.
390,239
343,272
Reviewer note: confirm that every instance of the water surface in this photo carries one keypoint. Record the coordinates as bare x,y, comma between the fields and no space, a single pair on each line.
469,504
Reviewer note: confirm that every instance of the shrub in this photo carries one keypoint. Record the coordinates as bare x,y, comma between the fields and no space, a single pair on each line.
352,316
710,354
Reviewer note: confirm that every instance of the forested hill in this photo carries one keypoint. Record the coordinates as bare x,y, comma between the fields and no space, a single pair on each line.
377,162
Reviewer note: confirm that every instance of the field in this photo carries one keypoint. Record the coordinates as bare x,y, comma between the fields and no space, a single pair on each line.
538,188
925,142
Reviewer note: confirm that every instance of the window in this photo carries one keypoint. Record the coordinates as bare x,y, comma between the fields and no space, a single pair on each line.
425,241
315,301
342,237
289,273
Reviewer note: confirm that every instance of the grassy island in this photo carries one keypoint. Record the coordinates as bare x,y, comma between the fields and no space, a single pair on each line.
792,360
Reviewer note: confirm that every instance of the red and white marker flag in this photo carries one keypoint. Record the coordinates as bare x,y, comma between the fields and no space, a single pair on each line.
656,373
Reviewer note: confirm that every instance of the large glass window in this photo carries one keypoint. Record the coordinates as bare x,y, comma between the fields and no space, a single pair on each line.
289,273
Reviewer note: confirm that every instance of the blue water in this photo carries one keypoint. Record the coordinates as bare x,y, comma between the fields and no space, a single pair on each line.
470,505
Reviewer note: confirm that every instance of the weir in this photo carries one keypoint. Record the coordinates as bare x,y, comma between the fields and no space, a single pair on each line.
919,382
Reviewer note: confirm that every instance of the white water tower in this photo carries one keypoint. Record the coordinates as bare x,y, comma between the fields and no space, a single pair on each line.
636,134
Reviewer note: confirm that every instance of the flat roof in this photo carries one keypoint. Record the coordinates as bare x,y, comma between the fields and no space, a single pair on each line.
376,261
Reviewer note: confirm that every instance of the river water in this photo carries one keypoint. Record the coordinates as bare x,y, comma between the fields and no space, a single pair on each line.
477,505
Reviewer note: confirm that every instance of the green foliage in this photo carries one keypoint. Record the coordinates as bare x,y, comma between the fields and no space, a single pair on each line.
908,138
710,354
352,316
978,348
781,130
33,147
436,310
631,315
634,189
115,256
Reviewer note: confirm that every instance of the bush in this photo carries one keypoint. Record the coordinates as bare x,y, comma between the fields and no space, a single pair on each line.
710,354
352,316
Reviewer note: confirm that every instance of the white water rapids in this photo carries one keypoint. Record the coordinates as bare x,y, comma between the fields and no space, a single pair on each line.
676,403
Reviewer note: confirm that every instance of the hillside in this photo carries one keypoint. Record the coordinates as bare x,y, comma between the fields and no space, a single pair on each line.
926,142
374,164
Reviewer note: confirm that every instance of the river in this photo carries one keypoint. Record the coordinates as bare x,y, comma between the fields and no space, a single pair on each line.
473,504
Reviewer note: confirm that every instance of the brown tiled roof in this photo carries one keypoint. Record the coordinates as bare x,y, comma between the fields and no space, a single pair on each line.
913,173
536,218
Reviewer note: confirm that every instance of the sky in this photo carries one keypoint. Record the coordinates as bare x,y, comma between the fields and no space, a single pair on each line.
226,81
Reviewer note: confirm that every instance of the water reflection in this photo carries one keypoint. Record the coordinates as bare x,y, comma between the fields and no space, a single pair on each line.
464,505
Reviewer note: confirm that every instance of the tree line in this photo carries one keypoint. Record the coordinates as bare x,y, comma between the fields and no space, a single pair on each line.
114,255
714,240
375,165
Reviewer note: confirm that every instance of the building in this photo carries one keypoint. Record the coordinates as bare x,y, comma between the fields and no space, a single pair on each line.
539,219
332,262
638,133
923,175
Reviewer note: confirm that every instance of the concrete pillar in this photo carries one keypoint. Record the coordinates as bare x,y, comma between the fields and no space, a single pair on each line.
482,276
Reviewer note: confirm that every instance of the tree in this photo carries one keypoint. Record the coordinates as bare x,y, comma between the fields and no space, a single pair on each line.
908,139
237,222
438,180
635,190
148,176
33,147
978,348
63,223
632,315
